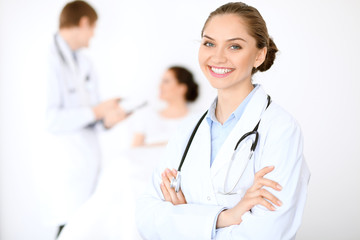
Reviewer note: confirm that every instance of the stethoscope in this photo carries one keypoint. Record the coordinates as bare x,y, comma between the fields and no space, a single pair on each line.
60,53
176,182
71,89
63,59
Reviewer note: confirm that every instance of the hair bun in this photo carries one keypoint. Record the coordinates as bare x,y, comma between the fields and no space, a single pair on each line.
192,91
270,56
184,76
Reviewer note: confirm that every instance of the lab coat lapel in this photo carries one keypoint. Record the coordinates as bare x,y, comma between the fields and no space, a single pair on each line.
246,123
197,164
71,69
67,53
202,141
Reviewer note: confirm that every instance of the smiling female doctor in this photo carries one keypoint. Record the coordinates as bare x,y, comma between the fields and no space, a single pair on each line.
226,193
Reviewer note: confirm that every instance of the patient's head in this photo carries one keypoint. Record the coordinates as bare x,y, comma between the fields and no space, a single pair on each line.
178,84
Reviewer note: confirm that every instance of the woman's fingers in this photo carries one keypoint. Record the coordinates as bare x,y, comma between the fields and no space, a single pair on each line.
165,180
265,194
164,186
260,181
262,197
264,171
165,192
168,192
264,182
265,203
181,197
257,197
172,192
256,194
166,189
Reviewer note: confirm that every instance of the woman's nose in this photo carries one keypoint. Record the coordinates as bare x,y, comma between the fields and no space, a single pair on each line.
219,56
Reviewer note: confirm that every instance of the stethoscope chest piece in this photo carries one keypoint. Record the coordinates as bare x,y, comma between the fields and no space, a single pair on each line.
175,182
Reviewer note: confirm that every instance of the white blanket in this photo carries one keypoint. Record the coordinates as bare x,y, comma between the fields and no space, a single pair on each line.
109,213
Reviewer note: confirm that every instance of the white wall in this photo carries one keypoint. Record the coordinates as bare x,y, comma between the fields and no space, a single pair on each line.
315,77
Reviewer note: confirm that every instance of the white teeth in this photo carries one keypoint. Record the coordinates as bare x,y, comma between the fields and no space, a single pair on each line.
221,70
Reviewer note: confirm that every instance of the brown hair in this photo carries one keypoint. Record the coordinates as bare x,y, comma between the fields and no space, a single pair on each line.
256,28
184,76
73,11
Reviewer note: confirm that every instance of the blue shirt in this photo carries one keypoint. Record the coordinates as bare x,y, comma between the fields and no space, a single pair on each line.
219,132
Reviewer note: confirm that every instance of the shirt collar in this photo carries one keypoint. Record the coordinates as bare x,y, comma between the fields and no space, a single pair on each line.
210,117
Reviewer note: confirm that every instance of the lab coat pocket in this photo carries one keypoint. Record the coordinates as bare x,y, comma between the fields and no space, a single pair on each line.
89,83
72,98
71,92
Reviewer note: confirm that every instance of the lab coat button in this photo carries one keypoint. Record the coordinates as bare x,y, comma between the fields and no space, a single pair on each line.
208,198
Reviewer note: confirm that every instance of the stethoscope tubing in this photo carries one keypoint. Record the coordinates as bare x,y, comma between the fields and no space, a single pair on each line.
176,182
60,53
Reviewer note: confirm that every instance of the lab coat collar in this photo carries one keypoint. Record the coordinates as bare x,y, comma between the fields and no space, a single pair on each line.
247,122
66,52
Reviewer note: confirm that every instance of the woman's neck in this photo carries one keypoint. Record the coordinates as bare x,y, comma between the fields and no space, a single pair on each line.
175,109
230,99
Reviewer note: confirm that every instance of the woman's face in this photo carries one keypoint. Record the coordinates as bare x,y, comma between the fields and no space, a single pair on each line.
170,88
228,53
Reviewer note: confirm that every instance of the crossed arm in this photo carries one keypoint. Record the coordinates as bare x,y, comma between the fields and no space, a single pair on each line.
255,195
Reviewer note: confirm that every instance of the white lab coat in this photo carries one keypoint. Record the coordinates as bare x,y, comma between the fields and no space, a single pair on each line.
280,144
74,164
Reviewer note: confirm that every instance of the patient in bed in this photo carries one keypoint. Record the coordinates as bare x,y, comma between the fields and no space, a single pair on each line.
109,213
177,89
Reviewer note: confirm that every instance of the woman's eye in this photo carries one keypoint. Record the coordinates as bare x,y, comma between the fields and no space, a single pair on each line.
208,44
235,47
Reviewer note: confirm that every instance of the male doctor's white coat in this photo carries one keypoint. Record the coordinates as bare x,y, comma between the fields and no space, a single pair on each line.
73,167
280,144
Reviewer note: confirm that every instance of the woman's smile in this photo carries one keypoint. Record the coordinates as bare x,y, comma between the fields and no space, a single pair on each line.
220,72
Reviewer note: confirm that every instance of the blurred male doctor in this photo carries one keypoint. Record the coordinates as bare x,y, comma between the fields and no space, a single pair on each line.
74,114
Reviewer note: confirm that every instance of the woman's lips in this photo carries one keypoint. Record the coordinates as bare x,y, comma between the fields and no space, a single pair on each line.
220,72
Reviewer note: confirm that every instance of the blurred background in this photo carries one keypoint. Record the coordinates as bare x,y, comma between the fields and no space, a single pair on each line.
315,77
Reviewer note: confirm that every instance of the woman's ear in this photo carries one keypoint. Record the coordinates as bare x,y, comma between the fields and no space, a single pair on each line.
260,58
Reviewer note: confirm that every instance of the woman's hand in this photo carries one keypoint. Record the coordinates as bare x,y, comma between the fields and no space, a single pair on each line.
169,193
255,195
